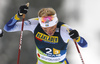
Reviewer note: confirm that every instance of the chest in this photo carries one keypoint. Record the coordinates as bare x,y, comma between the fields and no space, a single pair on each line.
42,40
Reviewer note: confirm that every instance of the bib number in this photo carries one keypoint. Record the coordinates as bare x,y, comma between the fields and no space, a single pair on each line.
49,51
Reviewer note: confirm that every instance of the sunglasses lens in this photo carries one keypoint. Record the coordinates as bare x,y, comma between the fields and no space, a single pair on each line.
46,19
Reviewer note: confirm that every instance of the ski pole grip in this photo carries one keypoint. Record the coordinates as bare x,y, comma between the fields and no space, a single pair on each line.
69,32
27,6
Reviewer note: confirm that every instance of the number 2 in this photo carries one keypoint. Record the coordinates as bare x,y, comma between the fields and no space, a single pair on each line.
49,50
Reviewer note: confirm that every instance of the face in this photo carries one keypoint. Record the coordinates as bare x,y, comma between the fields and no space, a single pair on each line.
50,30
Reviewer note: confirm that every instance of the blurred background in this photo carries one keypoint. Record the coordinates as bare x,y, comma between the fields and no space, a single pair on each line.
83,15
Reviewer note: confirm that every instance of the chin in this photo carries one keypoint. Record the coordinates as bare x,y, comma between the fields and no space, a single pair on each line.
51,34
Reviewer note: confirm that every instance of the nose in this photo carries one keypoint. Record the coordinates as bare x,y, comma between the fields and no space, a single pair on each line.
49,31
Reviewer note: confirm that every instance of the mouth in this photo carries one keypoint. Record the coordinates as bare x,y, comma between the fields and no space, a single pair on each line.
50,34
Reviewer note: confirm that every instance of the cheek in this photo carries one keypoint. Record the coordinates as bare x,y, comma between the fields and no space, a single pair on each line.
53,29
45,30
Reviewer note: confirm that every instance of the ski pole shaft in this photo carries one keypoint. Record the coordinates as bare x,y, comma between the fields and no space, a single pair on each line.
79,53
21,35
77,48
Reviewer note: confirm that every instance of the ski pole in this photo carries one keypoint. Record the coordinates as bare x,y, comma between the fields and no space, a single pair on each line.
21,35
77,48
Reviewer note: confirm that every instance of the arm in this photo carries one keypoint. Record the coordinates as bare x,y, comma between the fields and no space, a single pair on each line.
73,34
80,40
11,25
14,25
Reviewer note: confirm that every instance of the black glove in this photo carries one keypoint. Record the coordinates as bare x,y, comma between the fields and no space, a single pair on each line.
22,9
1,33
74,34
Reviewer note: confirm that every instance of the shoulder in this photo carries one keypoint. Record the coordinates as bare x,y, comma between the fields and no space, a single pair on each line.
63,32
59,24
63,26
33,20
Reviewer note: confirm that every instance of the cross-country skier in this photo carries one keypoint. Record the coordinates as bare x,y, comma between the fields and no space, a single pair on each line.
1,33
51,36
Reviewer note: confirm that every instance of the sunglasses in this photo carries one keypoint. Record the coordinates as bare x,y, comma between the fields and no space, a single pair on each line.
47,19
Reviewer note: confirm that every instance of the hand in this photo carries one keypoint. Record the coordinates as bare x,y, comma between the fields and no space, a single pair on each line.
1,33
22,10
74,34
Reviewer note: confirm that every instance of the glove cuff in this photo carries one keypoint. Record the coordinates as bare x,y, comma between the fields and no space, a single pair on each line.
16,17
78,39
19,13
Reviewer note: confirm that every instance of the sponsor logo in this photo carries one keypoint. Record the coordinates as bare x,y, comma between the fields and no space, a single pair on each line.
55,51
51,39
50,59
38,55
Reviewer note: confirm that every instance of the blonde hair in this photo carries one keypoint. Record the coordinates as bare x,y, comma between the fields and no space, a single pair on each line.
46,12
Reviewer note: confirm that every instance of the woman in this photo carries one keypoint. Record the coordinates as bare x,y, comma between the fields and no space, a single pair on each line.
51,36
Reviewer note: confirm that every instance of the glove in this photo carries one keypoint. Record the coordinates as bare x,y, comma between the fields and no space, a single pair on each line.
23,10
74,34
1,33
